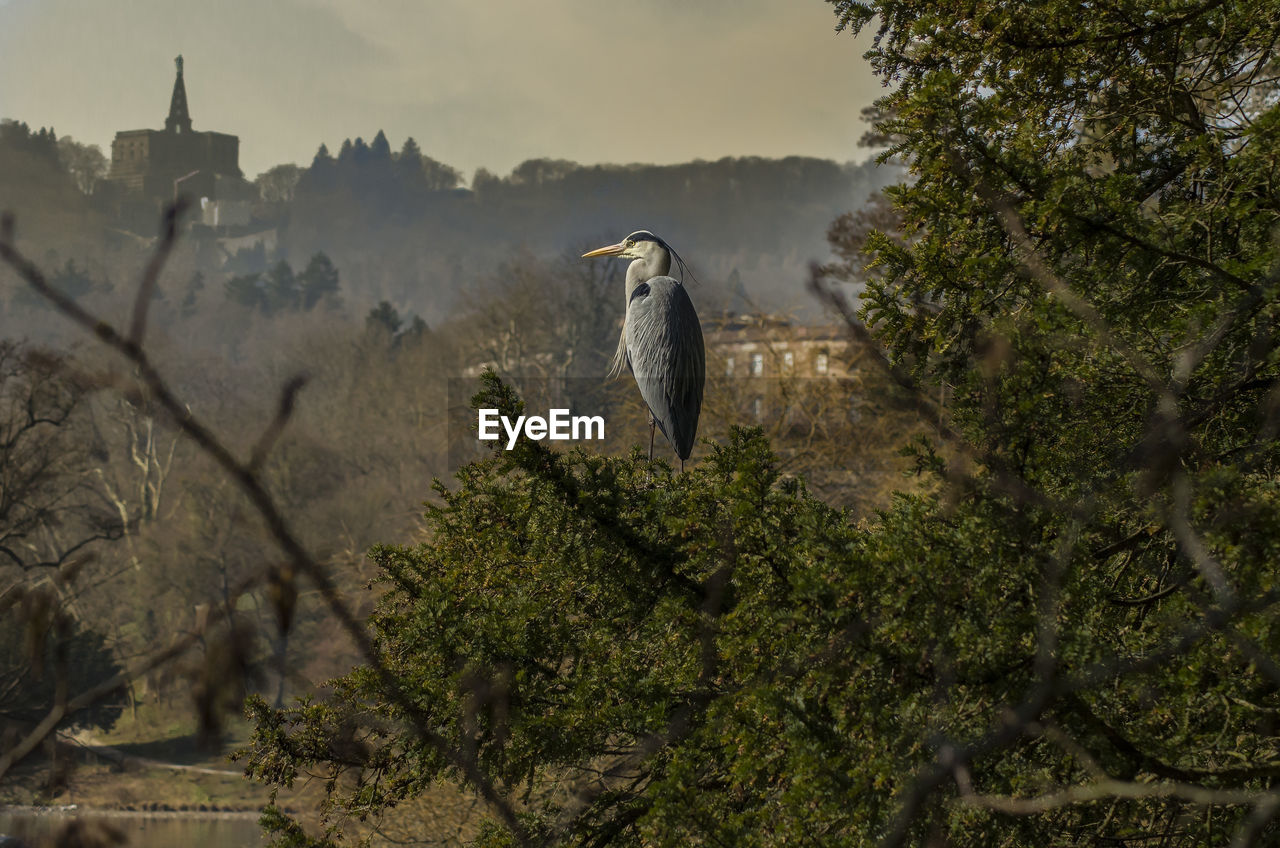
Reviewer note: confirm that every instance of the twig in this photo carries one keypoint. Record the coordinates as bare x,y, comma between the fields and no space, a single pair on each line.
1108,788
288,396
146,291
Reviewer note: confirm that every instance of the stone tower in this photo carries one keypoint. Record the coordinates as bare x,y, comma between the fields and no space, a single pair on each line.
157,165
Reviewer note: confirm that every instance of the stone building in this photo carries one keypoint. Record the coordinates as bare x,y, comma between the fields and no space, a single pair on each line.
778,371
155,166
771,346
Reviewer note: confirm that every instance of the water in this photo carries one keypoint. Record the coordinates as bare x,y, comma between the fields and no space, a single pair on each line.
37,828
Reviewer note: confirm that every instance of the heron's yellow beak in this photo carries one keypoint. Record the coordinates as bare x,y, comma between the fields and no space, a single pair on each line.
611,250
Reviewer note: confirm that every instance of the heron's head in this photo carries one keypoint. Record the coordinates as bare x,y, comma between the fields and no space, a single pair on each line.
655,254
641,244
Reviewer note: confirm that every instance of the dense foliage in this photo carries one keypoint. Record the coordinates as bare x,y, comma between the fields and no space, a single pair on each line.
1089,261
1071,641
281,290
569,611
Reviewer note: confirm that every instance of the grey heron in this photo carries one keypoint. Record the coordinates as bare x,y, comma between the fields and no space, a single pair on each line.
661,341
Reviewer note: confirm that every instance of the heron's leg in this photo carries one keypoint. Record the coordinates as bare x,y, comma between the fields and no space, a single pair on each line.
653,427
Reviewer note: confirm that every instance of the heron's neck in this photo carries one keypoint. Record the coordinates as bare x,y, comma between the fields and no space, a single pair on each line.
645,269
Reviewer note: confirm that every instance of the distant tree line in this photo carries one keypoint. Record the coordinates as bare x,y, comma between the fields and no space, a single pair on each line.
747,203
84,163
405,228
281,290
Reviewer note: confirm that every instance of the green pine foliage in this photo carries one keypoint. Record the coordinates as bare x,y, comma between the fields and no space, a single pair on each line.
1069,639
785,673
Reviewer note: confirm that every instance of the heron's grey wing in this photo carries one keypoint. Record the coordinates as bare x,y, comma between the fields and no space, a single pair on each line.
666,355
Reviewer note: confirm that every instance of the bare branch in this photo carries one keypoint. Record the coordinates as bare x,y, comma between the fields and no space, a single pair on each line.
1251,829
146,291
1102,789
288,396
1194,547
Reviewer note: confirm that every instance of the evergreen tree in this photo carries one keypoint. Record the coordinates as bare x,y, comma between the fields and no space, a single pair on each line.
318,283
380,148
318,178
322,157
248,291
280,289
410,154
383,318
409,165
360,154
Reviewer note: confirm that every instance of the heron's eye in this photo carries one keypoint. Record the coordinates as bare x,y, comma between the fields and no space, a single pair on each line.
631,243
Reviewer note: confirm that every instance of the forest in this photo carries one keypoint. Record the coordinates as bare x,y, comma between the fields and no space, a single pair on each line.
1010,579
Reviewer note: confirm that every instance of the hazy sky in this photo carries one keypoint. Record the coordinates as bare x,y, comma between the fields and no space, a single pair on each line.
477,82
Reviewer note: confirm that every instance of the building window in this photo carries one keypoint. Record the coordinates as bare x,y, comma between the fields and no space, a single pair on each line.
821,363
757,364
788,360
728,366
757,408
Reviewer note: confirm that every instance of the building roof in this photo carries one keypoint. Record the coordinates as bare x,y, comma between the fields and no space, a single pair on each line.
730,328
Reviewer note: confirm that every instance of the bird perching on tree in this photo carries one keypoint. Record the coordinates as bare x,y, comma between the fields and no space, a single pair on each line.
661,342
